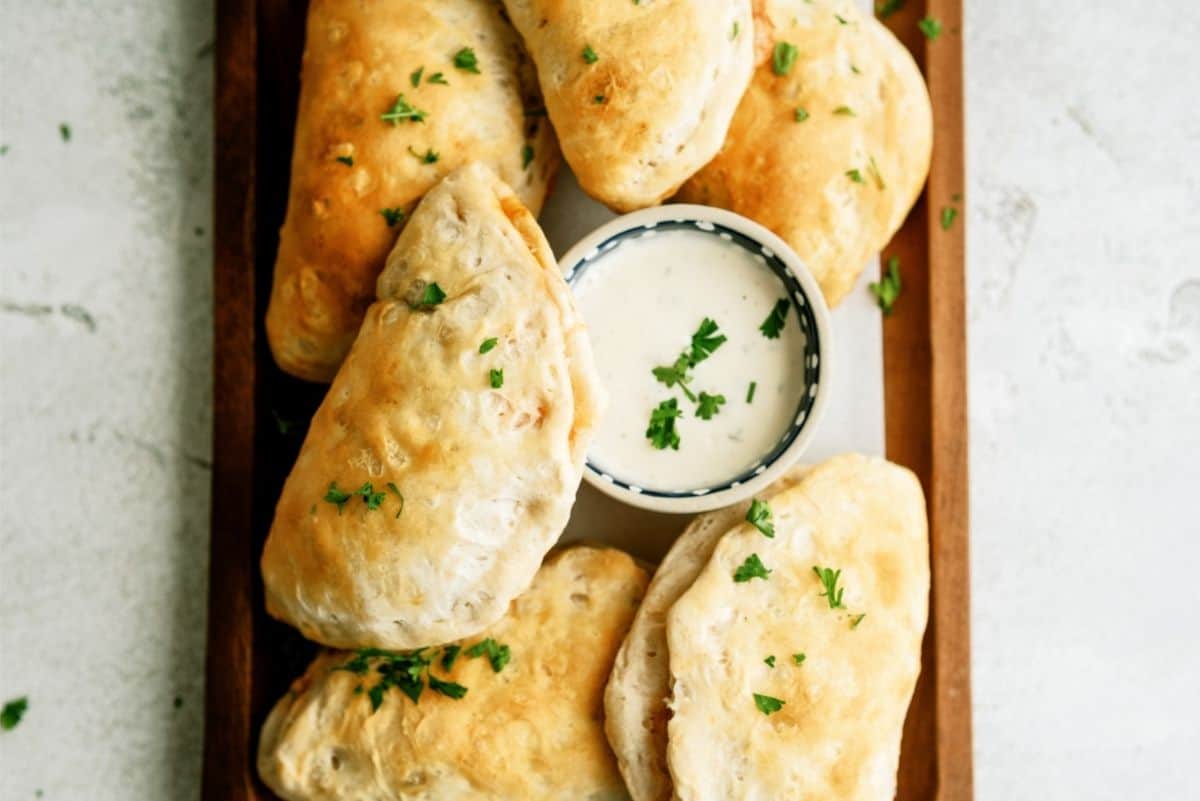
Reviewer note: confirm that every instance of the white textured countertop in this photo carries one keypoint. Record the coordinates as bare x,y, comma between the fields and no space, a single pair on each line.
1084,133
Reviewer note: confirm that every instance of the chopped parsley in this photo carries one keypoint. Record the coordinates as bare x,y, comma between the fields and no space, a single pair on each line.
709,405
887,289
829,579
371,498
392,486
430,156
336,496
873,168
497,654
12,713
465,60
283,425
361,661
783,57
886,8
854,621
705,341
488,344
662,433
598,100
949,215
496,378
801,115
841,19
856,176
64,131
437,77
410,688
759,516
931,27
799,658
526,156
416,76
752,568
767,705
750,391
347,160
403,110
431,296
773,325
446,688
676,375
733,34
844,111
392,216
407,671
589,55
770,661
449,654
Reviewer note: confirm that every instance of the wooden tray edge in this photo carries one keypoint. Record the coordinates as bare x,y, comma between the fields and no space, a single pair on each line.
950,487
938,298
229,734
925,390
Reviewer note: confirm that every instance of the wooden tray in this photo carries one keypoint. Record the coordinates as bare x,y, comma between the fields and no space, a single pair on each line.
251,658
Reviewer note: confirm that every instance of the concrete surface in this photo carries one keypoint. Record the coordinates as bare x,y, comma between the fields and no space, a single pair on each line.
1085,347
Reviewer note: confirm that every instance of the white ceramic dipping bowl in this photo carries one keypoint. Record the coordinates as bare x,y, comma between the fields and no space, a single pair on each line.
811,312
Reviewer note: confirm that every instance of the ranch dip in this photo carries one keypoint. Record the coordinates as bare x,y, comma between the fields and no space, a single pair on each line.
643,302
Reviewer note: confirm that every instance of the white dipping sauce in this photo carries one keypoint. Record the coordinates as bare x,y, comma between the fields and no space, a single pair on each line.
642,301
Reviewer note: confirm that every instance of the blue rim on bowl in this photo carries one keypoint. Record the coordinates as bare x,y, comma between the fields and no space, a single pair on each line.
813,316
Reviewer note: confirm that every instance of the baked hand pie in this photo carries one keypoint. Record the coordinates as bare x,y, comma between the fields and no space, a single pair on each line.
635,700
640,94
394,95
795,652
444,460
831,143
511,715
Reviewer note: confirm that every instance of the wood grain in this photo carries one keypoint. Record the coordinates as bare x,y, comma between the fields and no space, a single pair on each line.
949,485
229,720
925,372
258,410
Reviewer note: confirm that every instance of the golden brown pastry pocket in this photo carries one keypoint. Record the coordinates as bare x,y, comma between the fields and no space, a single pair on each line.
395,94
793,657
511,715
444,460
640,94
831,143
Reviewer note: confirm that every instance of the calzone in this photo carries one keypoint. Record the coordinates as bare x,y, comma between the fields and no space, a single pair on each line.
511,715
444,460
640,94
394,94
794,653
830,146
635,700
